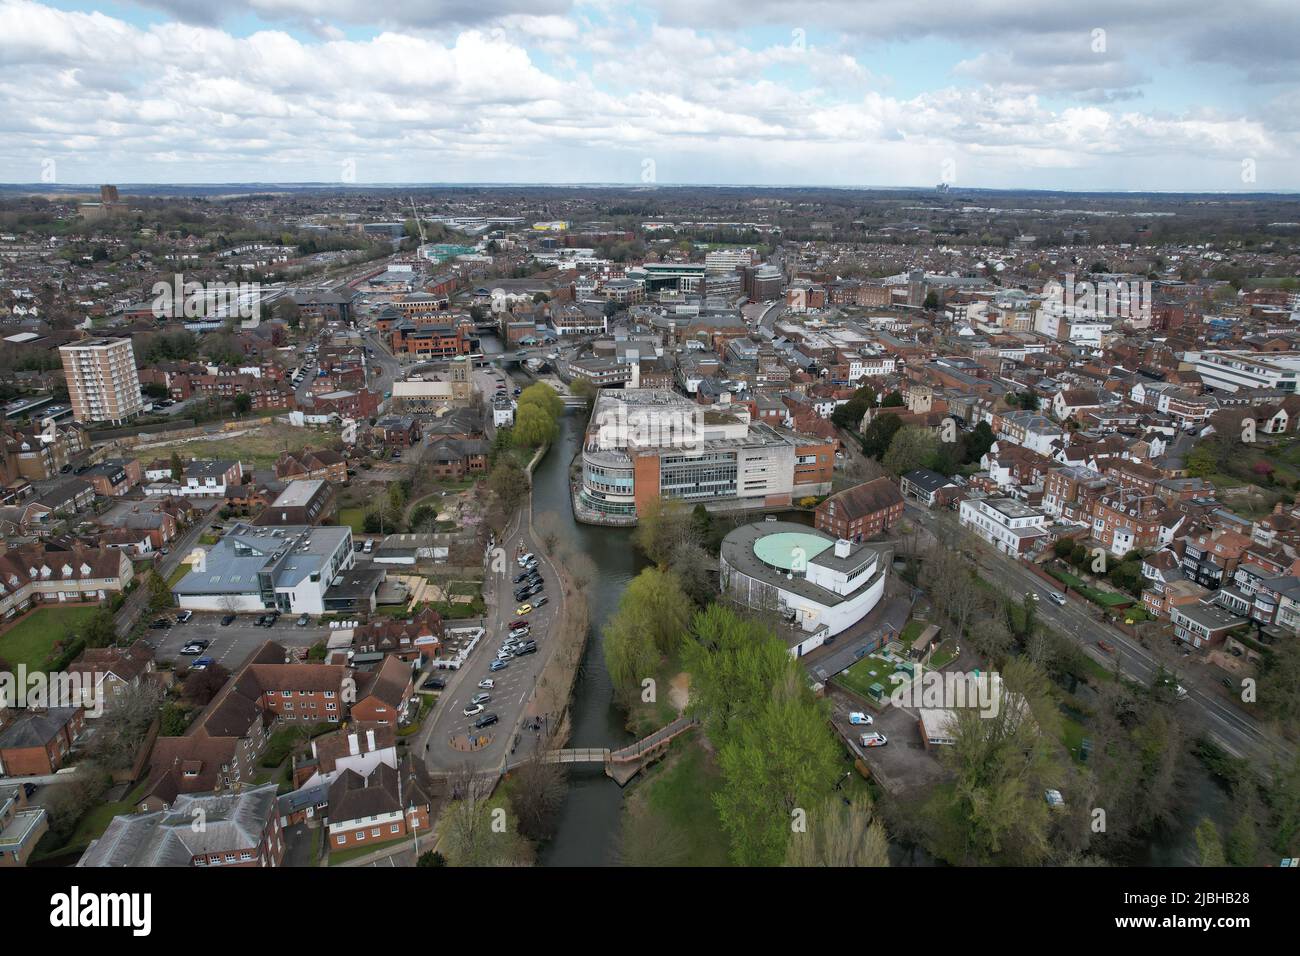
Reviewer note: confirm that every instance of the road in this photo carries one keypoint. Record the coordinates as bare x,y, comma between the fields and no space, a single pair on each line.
137,601
513,685
1237,732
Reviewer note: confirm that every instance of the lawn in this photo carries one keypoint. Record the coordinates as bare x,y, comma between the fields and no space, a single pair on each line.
870,670
1095,595
182,569
355,518
260,446
944,654
342,856
678,794
32,638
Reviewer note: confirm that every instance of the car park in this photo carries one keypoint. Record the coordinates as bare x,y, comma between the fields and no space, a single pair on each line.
875,739
487,720
473,710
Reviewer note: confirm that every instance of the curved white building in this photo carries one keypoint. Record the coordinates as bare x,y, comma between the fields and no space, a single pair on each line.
820,584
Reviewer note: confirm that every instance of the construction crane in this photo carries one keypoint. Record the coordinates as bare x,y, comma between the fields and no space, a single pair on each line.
418,225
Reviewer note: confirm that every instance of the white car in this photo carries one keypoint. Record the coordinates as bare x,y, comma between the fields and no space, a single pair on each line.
473,710
857,717
487,683
876,739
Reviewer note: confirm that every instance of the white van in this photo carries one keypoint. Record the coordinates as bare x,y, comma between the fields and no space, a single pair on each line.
370,546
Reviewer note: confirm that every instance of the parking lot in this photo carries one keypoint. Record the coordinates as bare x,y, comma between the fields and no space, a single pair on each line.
230,645
902,764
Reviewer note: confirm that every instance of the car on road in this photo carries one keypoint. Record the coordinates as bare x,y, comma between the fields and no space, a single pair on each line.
228,620
541,601
184,617
304,620
1106,646
497,666
202,664
857,717
487,683
473,710
524,609
487,720
1057,598
1032,595
874,739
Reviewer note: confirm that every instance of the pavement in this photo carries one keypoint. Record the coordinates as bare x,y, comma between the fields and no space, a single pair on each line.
1234,730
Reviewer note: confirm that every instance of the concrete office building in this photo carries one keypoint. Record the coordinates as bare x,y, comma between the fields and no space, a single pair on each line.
102,382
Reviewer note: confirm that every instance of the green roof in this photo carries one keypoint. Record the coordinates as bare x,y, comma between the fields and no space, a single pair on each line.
788,549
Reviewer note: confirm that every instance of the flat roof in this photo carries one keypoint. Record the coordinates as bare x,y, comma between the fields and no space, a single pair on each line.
789,549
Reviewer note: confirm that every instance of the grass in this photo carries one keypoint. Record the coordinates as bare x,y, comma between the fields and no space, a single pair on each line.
260,447
944,654
679,794
355,518
353,852
862,674
182,569
32,639
1095,595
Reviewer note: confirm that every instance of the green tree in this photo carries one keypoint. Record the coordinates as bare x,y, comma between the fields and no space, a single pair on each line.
533,426
652,618
160,595
876,437
178,467
665,524
912,447
840,835
243,403
1208,844
545,398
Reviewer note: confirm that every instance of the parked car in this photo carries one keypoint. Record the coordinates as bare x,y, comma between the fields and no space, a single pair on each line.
524,609
480,698
498,666
875,739
487,720
434,683
202,664
525,558
184,617
487,683
521,576
473,710
228,620
520,632
504,655
518,623
304,620
528,648
535,589
857,717
160,624
541,600
193,650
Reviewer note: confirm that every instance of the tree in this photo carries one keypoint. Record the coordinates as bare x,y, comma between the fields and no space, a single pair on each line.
474,833
1208,844
663,526
991,639
912,447
431,858
509,483
100,629
243,403
978,442
202,685
178,468
533,426
536,797
876,437
840,835
651,621
160,595
545,398
584,389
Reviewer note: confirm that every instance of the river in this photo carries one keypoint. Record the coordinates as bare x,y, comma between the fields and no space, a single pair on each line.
587,834
592,813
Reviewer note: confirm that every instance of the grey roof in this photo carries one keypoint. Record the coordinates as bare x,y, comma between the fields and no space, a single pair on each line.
35,729
289,553
232,822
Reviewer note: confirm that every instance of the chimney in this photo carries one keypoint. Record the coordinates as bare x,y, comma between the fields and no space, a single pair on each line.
353,746
842,547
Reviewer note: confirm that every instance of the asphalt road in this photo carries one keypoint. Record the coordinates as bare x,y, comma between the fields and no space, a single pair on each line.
230,645
1236,731
513,685
165,566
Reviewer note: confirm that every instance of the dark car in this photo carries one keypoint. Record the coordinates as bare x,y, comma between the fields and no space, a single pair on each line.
521,576
528,647
434,683
536,589
160,624
29,789
228,620
487,720
521,593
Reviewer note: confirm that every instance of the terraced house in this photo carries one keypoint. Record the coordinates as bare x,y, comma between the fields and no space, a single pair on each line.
33,574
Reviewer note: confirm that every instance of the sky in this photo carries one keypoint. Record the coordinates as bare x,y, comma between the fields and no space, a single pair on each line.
1163,95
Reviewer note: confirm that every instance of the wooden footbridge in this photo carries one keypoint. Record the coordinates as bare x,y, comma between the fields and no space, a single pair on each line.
625,763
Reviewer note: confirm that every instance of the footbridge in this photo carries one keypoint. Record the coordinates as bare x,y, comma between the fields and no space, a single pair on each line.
626,762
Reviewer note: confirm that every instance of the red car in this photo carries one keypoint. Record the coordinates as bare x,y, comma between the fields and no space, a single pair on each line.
1106,646
519,623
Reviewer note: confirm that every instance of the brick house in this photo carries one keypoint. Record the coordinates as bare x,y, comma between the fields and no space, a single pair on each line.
114,670
384,695
384,805
34,742
861,512
324,464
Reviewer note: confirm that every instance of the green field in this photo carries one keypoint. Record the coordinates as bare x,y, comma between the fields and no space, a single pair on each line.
355,518
32,638
677,796
870,670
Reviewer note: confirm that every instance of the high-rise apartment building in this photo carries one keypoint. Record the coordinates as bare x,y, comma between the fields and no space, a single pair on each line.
102,382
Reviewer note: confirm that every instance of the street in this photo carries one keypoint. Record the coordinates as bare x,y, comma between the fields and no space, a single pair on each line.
1236,732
